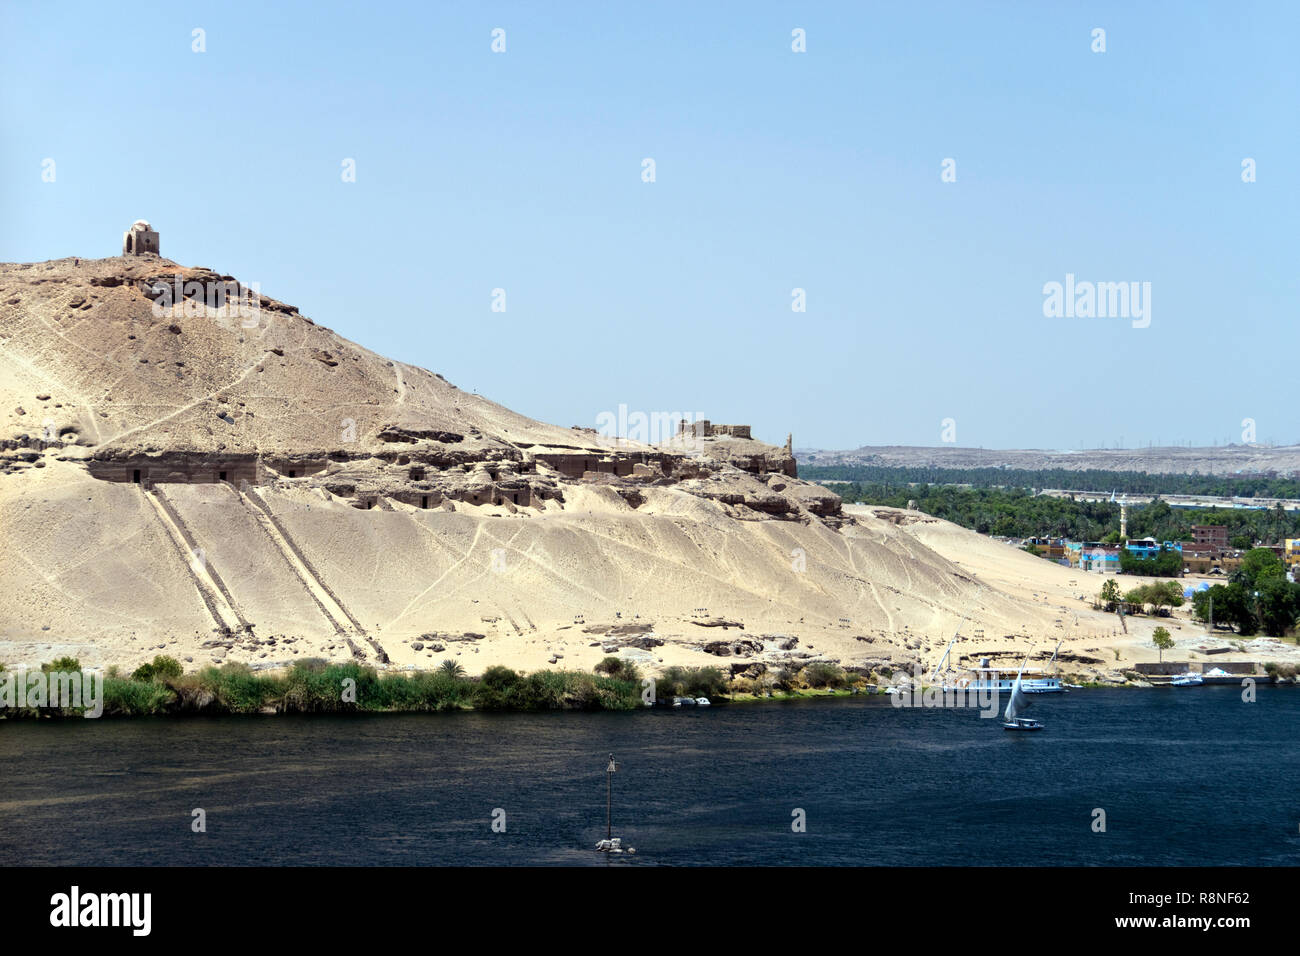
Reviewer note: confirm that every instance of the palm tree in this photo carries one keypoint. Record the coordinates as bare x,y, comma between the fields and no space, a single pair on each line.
452,669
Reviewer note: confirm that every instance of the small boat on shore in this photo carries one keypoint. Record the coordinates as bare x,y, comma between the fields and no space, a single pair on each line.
1187,680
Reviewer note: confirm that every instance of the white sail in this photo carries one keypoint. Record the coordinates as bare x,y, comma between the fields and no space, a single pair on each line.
1017,701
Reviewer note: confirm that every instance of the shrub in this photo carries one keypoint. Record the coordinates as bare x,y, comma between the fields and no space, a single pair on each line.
498,676
192,695
236,689
687,682
743,685
705,682
630,672
785,679
619,668
554,689
161,668
136,698
672,682
311,689
617,694
824,675
497,689
64,664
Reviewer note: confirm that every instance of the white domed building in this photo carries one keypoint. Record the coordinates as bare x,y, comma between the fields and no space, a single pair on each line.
139,239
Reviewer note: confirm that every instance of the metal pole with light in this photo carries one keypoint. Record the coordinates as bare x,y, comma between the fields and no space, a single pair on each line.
609,796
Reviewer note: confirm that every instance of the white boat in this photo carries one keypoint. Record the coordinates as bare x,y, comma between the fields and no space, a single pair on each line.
1011,719
702,702
988,678
992,679
1001,685
1187,680
1022,723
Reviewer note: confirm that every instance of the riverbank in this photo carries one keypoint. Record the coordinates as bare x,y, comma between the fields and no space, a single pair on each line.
161,688
315,687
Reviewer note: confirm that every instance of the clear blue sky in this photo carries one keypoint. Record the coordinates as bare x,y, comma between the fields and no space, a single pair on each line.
774,170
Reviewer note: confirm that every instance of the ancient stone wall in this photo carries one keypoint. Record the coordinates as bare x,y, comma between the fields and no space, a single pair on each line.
706,429
185,469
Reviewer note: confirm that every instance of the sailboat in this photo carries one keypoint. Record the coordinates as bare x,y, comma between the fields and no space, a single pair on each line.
1016,704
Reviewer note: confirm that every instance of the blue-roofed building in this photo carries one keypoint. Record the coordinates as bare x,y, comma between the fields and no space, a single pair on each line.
1149,547
1101,558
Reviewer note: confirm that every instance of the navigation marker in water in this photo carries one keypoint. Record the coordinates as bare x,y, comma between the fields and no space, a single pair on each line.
611,843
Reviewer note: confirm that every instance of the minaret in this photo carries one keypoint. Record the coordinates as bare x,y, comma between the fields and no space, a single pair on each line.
1123,518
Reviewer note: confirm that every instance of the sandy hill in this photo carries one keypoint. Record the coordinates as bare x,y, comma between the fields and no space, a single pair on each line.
122,379
258,488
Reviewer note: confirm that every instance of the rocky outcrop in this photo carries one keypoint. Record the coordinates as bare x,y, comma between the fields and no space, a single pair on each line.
744,647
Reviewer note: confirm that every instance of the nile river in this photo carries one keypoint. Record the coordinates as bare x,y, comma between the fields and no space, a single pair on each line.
1185,776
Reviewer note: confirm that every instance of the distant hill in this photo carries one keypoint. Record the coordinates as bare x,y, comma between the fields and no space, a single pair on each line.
1282,460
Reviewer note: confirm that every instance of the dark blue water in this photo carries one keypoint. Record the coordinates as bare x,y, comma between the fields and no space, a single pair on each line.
1187,776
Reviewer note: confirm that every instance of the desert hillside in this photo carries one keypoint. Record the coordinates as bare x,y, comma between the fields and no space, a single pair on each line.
257,488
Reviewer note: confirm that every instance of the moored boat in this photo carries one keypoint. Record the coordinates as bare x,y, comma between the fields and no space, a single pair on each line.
987,678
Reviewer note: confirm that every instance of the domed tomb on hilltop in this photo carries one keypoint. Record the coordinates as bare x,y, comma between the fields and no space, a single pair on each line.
139,239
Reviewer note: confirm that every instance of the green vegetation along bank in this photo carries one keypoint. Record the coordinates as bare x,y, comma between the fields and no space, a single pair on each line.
162,688
314,687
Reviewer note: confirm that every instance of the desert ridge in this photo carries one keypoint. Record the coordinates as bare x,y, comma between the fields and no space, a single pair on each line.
259,489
